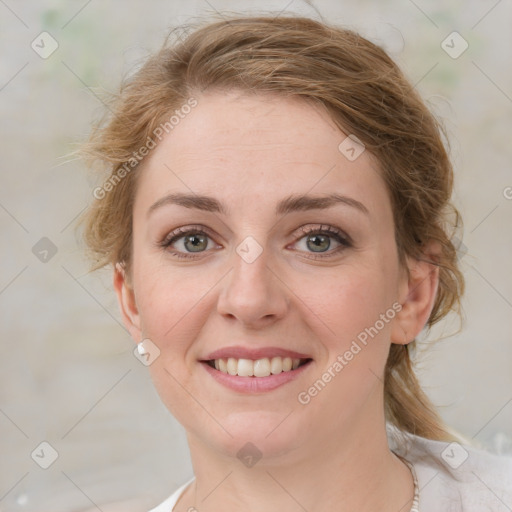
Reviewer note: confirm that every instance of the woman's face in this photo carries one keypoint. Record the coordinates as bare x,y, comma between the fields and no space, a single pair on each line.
240,251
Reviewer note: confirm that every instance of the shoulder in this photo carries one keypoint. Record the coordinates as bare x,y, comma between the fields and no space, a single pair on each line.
168,504
138,505
121,506
457,476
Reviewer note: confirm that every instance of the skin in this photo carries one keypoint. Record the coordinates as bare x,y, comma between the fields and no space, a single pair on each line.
249,152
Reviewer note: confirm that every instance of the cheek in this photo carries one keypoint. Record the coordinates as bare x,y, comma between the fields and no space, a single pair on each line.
173,307
172,304
348,300
356,344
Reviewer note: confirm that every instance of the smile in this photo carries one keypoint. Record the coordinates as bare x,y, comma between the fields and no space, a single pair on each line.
263,367
255,370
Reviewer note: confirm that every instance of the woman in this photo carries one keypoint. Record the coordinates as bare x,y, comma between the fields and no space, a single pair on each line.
277,215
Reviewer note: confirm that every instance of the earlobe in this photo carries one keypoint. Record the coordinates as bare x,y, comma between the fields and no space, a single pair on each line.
417,299
127,303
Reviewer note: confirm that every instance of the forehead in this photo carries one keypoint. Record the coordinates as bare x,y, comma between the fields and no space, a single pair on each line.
242,147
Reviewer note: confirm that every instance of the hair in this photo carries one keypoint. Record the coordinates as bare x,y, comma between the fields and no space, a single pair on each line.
365,94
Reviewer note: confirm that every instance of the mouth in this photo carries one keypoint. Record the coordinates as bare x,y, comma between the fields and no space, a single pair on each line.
254,371
263,367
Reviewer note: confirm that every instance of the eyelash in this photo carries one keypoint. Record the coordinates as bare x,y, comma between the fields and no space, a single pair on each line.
199,230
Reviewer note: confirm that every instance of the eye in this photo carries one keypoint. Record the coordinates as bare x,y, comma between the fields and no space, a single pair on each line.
191,241
320,240
188,240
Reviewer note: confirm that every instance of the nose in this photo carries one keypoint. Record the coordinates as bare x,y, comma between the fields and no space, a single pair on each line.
253,294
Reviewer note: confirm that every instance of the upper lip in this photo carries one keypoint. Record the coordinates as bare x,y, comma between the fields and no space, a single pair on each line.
239,352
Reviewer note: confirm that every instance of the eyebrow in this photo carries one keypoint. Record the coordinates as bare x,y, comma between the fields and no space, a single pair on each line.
290,204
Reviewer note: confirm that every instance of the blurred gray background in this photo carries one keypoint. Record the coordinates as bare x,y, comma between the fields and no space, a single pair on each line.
68,375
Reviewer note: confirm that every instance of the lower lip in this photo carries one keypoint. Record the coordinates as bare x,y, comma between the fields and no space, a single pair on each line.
254,384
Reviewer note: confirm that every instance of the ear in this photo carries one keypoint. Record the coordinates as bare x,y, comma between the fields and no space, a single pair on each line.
127,304
417,295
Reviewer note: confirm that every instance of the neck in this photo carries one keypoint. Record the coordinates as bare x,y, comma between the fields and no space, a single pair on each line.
353,470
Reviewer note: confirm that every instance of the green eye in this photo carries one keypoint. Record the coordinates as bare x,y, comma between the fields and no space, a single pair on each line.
192,241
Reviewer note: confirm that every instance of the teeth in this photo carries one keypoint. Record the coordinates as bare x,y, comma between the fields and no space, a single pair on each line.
259,368
245,368
232,366
276,365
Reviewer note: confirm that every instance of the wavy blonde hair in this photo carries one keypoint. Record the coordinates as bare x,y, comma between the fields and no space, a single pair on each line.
364,92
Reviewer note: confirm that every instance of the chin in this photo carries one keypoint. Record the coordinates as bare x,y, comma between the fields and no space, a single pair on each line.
257,435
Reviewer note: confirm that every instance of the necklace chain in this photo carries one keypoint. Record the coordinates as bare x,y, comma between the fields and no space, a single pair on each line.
416,500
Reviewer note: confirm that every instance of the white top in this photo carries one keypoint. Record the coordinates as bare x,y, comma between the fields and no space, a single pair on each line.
450,477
